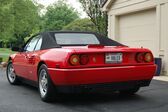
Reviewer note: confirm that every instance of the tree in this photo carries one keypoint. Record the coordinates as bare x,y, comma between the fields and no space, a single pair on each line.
93,10
81,25
26,19
59,15
18,19
6,20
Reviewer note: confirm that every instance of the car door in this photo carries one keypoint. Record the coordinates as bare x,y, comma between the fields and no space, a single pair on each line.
33,58
23,60
19,63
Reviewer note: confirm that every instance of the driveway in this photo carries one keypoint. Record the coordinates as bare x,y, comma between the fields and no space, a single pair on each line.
25,98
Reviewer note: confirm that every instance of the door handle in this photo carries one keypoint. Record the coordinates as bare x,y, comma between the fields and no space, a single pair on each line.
31,59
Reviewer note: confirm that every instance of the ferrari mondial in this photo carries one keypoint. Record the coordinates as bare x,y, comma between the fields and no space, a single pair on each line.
75,62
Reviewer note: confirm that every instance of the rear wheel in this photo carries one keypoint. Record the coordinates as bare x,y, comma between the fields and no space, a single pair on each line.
129,91
11,75
46,87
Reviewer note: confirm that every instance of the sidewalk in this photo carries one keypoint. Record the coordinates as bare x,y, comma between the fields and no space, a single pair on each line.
161,78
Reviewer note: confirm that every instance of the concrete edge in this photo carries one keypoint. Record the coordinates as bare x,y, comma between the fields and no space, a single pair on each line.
161,78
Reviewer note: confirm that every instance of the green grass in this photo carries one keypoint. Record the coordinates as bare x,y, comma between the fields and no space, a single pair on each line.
4,58
6,51
4,54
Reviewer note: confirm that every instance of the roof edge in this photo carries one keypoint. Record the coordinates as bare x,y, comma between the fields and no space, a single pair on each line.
107,5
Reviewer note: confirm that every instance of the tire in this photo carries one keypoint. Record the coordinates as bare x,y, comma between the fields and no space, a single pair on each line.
45,85
11,76
129,91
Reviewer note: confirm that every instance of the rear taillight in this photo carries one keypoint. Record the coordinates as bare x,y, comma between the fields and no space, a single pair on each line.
84,59
140,57
148,57
79,59
144,57
74,60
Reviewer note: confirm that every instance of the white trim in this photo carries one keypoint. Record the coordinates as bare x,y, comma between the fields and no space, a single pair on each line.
107,5
134,8
158,26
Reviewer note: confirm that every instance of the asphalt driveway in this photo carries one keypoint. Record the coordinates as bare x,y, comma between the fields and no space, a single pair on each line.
25,98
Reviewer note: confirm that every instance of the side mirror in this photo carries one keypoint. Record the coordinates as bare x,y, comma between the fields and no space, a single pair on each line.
17,49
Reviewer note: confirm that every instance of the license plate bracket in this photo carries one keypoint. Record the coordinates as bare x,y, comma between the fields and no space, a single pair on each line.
113,58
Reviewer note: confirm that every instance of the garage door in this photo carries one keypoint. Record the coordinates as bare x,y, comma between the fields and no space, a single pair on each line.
139,30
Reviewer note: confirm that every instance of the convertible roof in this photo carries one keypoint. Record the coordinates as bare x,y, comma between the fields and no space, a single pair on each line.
50,42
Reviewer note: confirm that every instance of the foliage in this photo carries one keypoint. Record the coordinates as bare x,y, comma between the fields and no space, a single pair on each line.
19,19
81,25
6,19
93,10
59,15
25,19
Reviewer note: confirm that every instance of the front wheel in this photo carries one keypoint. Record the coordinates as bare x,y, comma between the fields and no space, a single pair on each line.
11,75
46,87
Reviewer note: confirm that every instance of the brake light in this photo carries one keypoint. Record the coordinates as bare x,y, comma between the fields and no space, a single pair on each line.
84,59
144,57
140,57
148,57
74,60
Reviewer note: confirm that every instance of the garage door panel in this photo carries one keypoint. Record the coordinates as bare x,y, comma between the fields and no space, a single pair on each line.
145,33
137,19
139,29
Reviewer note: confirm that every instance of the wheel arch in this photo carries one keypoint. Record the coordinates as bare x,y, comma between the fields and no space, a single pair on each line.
39,64
9,59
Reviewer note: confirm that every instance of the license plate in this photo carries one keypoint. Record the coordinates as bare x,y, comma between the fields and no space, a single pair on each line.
113,58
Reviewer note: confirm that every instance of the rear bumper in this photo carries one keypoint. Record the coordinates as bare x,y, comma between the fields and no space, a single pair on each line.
72,77
107,87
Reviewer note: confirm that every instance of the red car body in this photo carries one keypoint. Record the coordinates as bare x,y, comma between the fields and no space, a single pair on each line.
95,72
62,73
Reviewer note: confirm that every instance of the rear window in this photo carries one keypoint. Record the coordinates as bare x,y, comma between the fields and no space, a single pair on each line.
76,39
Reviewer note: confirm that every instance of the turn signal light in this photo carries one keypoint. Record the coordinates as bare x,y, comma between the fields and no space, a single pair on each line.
148,57
74,60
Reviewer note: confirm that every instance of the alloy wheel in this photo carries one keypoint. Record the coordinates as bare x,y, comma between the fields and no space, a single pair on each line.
11,73
43,82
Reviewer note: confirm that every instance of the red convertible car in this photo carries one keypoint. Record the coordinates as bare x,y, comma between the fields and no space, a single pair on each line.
68,62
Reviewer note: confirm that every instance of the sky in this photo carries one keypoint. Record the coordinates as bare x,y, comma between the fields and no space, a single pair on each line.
73,3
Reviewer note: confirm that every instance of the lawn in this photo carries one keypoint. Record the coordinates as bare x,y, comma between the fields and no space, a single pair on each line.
4,53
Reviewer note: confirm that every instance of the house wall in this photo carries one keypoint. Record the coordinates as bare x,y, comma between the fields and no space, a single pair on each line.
123,7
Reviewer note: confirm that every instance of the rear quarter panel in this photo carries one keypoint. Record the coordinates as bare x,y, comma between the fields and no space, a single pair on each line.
55,57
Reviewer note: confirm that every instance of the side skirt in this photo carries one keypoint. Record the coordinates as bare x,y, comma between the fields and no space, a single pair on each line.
29,82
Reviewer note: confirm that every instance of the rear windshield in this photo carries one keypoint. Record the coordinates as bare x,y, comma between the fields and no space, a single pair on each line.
75,39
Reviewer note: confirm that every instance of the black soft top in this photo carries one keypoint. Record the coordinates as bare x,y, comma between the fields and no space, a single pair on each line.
50,42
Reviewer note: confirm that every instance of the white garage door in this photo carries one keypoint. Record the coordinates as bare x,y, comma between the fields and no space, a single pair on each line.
139,30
